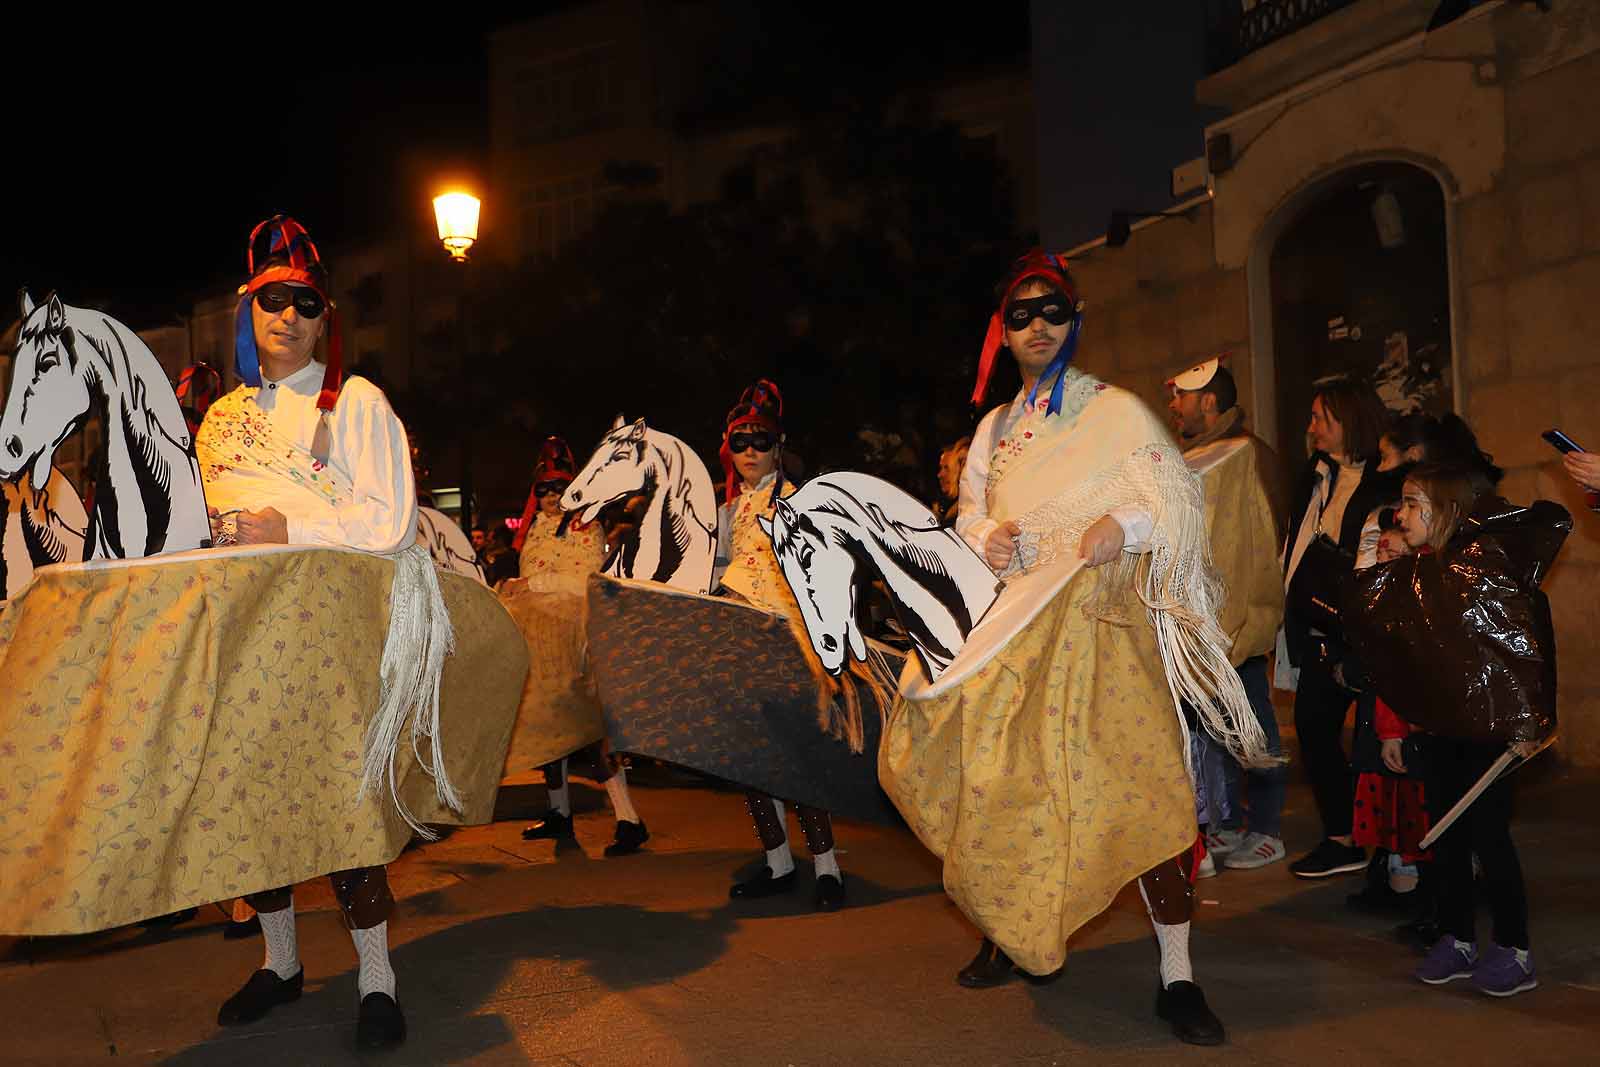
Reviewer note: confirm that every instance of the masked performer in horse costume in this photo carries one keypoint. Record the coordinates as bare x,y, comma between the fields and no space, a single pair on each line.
752,460
1055,774
555,561
302,456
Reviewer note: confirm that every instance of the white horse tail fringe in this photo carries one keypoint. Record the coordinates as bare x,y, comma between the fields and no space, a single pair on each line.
420,637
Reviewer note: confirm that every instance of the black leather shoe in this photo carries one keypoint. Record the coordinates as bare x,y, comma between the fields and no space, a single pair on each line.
630,835
263,992
1184,1006
989,968
381,1024
553,827
830,893
761,885
249,928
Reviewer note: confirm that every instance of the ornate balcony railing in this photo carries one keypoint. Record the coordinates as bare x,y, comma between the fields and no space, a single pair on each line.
1235,28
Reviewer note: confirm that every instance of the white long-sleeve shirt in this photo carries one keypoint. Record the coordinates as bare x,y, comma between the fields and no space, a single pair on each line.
368,453
975,524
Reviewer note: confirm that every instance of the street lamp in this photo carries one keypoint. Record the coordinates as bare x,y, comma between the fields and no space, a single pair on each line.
457,216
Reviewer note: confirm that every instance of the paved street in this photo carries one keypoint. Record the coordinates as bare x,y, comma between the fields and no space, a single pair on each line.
510,952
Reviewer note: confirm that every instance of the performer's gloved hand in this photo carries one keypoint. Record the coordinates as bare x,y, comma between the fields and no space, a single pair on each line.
1001,545
1101,542
264,527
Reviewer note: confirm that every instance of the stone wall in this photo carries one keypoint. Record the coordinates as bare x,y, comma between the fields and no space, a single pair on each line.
1500,108
1530,269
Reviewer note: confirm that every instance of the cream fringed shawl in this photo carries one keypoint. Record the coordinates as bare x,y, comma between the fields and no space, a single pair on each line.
1057,475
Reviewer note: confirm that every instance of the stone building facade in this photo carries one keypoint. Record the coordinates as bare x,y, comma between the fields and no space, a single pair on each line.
1495,107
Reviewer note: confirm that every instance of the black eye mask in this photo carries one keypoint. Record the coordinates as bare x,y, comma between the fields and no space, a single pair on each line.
1052,307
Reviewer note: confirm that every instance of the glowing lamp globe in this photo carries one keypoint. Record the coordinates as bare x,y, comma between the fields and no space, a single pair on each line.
457,215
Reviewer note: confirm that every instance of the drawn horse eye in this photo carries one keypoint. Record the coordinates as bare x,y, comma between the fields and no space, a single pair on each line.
48,361
618,456
806,552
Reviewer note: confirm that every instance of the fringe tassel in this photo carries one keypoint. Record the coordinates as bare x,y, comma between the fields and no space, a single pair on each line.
839,699
420,637
1183,595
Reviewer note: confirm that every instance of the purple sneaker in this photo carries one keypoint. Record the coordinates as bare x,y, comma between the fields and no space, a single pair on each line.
1448,960
1504,972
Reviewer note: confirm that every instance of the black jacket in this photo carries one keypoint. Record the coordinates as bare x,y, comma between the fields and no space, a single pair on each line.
1376,489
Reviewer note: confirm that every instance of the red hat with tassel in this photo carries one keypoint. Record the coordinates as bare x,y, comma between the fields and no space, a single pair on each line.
759,405
1036,265
281,251
555,464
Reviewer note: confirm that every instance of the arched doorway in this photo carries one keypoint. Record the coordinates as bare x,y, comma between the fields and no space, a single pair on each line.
1360,285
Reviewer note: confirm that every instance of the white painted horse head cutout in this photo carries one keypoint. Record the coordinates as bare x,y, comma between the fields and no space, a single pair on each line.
837,523
72,363
675,542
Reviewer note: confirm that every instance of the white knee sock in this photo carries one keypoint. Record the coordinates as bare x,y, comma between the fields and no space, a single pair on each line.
283,951
828,863
377,974
558,797
781,860
621,801
1174,942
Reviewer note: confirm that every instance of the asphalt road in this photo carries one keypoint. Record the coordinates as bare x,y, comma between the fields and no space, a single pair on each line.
513,952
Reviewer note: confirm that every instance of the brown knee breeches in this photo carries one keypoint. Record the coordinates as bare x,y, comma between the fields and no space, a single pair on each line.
363,895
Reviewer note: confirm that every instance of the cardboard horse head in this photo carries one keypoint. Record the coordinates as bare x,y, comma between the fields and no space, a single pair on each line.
838,523
675,542
72,363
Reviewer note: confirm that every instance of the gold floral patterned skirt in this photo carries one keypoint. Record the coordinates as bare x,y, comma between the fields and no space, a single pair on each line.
188,729
560,711
1052,777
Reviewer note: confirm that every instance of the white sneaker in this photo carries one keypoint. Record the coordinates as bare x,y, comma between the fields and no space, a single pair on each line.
1207,868
1222,842
1256,850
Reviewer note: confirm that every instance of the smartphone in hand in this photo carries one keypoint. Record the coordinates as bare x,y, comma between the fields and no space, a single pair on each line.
1561,442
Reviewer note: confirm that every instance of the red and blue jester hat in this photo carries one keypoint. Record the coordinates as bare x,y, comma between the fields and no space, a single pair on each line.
759,405
1036,265
281,251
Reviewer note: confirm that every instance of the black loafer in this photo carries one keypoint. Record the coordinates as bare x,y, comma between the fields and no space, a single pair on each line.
249,928
381,1024
1184,1006
761,885
630,835
830,893
263,992
989,968
553,827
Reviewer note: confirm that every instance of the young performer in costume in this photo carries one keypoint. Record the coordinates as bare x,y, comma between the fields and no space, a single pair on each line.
752,461
1055,774
557,556
299,455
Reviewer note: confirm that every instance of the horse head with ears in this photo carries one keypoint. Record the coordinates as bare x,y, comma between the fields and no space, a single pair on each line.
71,362
820,567
50,391
615,471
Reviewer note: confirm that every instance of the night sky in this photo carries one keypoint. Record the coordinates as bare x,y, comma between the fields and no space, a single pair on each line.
139,158
138,163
